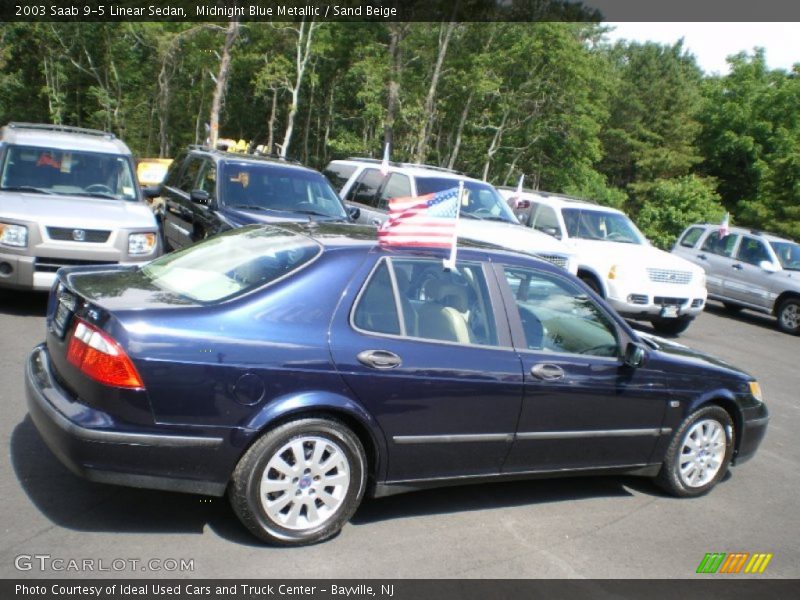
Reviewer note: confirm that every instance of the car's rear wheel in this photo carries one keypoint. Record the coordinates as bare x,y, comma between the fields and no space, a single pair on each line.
789,316
300,482
672,326
699,453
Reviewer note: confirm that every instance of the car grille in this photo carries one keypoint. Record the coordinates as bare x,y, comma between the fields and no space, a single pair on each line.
67,234
557,259
51,265
669,276
667,301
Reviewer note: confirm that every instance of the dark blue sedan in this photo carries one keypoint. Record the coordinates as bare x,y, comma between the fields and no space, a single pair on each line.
299,367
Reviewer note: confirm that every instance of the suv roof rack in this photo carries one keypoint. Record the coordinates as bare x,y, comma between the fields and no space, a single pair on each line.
407,165
62,128
254,154
553,194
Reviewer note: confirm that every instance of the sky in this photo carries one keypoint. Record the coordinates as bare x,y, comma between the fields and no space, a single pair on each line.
711,43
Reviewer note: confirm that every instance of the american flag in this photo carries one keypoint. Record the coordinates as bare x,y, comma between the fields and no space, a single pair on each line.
428,221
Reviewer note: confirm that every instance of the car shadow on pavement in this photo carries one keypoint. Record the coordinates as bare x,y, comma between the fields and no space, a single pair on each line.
488,496
23,304
74,503
744,316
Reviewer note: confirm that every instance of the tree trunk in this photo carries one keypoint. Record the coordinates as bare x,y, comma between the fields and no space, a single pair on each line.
222,82
495,145
302,54
397,32
460,131
429,112
271,123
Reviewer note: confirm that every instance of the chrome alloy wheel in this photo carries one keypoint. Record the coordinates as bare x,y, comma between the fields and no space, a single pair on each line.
305,482
702,453
790,316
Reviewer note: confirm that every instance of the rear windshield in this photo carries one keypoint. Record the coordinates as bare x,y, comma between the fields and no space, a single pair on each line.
483,201
231,264
42,170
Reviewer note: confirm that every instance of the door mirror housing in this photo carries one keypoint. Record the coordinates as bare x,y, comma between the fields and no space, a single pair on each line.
152,191
767,266
354,212
199,197
635,355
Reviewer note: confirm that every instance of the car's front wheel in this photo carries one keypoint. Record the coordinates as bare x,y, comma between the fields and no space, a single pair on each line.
789,316
699,453
300,482
672,326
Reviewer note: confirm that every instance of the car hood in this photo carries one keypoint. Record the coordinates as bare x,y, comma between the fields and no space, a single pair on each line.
80,212
693,360
240,217
608,253
511,236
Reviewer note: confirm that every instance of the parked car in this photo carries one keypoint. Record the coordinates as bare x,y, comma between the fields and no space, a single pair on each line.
484,218
68,196
747,269
207,191
640,281
299,367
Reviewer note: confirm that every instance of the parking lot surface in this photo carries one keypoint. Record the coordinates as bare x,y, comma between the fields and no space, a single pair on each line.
609,527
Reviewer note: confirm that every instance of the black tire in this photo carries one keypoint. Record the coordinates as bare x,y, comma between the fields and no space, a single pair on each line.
732,308
681,465
301,493
672,326
592,282
789,316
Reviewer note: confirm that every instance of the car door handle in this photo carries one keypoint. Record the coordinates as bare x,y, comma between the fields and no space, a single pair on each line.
547,372
376,222
379,359
736,266
702,257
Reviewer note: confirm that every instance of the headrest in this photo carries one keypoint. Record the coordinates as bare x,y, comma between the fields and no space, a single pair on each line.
447,294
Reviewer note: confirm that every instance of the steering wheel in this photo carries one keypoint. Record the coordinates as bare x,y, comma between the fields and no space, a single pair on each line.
100,188
482,212
615,236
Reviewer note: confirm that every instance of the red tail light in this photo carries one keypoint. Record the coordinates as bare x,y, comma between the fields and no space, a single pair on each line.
100,357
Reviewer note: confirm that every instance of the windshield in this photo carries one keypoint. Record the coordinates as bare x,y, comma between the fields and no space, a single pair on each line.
600,225
788,254
54,171
271,187
231,263
483,201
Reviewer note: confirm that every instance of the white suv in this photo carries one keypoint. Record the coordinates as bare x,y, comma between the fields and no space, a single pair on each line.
362,184
614,259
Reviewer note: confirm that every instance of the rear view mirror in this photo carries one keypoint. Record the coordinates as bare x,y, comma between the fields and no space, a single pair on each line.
199,196
635,355
767,266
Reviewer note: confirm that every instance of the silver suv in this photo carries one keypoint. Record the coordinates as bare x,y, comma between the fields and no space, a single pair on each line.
747,269
68,196
367,186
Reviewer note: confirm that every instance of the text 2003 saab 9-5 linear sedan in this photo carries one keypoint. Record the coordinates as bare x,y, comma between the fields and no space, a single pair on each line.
299,367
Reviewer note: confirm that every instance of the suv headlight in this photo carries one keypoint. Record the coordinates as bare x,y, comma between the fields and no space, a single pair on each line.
13,235
755,390
141,243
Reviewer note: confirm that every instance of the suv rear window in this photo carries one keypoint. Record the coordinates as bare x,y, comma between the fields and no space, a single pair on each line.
231,264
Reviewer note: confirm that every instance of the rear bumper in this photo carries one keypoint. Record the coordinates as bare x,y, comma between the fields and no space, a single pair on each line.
93,445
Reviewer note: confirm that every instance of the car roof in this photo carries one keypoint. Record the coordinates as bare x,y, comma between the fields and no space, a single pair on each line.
745,231
560,200
63,137
415,169
222,155
333,236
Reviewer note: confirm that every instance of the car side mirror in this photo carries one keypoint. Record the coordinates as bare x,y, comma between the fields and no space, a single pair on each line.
354,212
767,266
152,191
199,196
635,355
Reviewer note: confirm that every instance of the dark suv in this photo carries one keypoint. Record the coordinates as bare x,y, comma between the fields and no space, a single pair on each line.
207,191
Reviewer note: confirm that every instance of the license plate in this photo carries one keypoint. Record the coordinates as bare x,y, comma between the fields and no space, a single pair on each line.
670,312
66,304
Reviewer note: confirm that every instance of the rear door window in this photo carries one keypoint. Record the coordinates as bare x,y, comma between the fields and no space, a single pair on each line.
721,245
691,236
398,186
